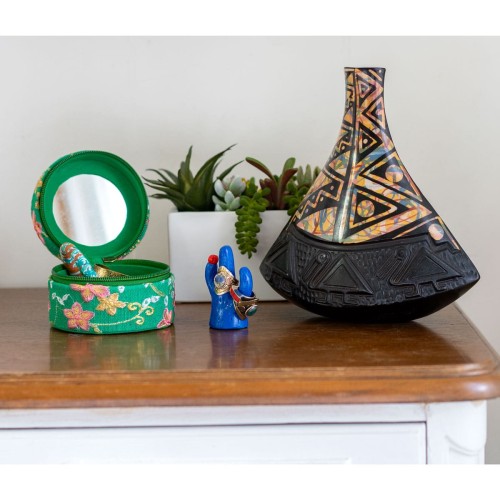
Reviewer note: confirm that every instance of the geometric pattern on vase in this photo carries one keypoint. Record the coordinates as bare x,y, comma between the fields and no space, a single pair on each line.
365,193
365,244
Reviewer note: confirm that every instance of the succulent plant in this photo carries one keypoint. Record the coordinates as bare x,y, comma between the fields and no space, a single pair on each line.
188,192
276,183
298,187
276,192
269,196
248,199
248,221
227,193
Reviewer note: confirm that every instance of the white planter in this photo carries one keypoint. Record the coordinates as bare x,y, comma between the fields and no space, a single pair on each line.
193,236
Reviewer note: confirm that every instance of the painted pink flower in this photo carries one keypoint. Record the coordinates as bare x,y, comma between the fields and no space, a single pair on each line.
38,227
167,319
89,291
77,317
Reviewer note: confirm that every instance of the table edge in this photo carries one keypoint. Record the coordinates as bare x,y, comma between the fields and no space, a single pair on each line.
230,388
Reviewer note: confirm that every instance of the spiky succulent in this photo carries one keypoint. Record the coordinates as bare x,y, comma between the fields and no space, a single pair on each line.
227,193
188,192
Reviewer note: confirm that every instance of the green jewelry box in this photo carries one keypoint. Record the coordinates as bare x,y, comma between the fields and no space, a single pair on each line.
97,202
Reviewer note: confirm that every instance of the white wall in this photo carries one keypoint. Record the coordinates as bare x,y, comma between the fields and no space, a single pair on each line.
148,99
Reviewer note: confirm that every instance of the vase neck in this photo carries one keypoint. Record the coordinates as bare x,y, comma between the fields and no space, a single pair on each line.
365,97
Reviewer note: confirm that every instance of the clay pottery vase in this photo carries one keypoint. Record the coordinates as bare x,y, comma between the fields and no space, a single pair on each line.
365,244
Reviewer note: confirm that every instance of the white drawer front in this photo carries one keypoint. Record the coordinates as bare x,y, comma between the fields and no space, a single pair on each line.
303,443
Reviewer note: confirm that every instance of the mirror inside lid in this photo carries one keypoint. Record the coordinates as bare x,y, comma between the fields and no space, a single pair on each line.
93,199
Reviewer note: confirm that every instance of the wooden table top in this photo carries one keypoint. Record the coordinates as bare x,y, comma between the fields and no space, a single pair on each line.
288,356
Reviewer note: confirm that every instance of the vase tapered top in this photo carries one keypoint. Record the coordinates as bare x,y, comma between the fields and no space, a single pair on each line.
364,193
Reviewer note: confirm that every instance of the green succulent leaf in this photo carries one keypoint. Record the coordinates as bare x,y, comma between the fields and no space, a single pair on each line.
163,179
298,187
185,176
219,188
228,197
228,170
172,176
217,201
235,204
288,165
247,225
160,186
211,163
237,186
200,194
307,177
170,191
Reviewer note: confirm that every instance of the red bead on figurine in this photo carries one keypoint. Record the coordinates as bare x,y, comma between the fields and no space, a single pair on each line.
213,259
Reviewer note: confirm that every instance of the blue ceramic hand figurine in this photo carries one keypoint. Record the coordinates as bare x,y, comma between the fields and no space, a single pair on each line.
232,301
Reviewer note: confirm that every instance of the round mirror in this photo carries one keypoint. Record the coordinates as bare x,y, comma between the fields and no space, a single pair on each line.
89,210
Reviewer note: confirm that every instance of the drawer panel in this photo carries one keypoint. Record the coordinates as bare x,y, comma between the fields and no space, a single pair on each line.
303,443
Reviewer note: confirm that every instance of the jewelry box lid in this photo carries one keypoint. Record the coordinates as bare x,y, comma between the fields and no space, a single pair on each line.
93,199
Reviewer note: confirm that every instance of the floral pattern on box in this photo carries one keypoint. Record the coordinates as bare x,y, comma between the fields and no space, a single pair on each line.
91,308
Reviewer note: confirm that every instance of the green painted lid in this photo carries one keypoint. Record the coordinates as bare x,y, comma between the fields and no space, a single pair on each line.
104,165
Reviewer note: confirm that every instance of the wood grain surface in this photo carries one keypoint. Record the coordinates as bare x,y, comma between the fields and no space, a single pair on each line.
288,356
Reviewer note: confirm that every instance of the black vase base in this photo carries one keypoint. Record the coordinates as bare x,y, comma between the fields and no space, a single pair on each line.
393,281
